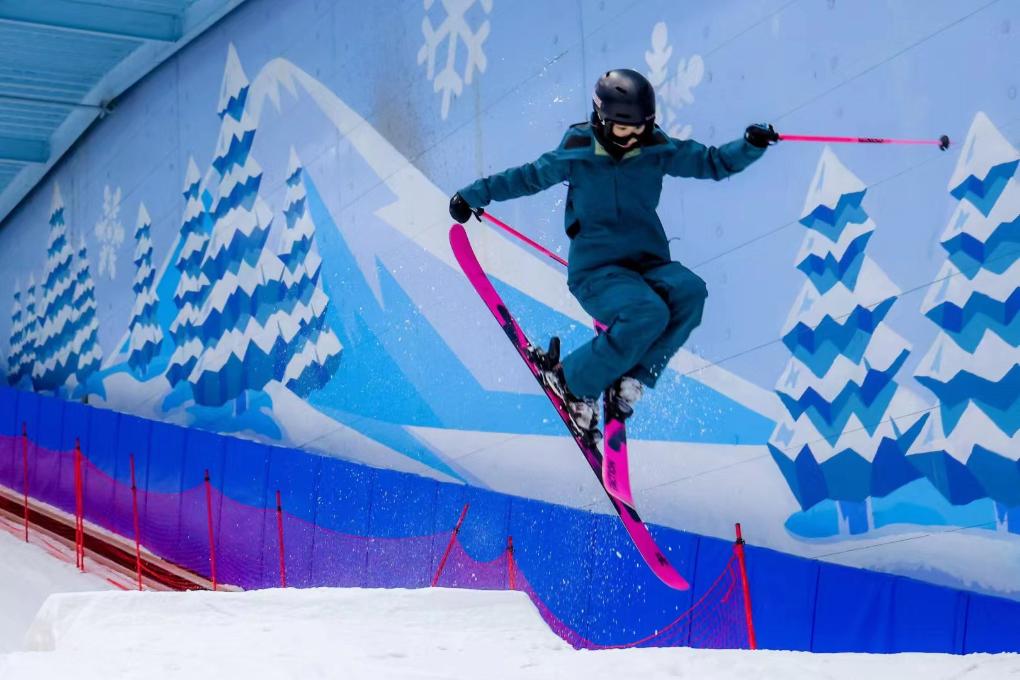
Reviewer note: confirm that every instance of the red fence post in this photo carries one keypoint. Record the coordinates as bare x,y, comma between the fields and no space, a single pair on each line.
511,566
279,527
212,543
449,546
134,513
79,507
24,464
739,548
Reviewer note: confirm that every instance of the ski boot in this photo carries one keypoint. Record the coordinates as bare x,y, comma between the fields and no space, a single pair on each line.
622,396
583,412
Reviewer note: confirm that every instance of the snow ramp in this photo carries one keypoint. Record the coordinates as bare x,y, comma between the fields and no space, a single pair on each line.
366,633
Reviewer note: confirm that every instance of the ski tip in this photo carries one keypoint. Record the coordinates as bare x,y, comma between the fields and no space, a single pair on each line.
668,574
457,232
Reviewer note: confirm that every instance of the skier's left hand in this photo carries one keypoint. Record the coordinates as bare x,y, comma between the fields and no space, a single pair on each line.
761,135
460,210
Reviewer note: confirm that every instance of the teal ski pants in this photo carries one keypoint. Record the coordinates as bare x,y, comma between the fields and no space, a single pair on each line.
649,317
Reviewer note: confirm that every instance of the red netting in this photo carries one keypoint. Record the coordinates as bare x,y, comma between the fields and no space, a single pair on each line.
716,620
176,527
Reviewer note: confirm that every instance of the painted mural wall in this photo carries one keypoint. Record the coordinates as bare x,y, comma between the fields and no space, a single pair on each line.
255,243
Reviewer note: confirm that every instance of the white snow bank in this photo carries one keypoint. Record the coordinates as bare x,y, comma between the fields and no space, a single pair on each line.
28,575
355,634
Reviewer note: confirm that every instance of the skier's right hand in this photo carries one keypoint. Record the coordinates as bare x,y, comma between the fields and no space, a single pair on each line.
460,210
761,135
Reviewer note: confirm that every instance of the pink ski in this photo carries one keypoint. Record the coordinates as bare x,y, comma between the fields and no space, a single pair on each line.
635,527
615,468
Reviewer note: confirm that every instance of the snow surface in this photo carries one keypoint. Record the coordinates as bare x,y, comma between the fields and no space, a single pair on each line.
28,575
355,634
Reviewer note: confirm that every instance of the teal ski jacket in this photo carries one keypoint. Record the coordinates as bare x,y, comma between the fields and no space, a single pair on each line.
610,212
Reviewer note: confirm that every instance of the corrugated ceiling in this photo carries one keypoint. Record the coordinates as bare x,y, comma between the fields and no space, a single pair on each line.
63,61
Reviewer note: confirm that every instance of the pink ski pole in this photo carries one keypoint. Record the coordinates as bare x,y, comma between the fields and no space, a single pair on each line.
599,326
513,232
942,142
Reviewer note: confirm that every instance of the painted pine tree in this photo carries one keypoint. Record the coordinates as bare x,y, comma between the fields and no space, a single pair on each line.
17,339
842,439
239,323
146,337
973,366
314,355
29,335
84,321
55,362
196,226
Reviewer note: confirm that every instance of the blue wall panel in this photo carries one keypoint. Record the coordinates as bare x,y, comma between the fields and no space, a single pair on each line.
401,506
927,618
547,535
46,450
104,432
853,611
243,481
627,601
76,426
783,596
132,442
161,481
9,436
483,535
993,625
340,549
297,478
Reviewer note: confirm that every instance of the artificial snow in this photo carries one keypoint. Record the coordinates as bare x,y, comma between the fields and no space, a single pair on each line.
28,575
370,634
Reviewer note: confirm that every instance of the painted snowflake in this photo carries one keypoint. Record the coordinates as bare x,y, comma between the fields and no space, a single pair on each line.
453,30
672,92
109,232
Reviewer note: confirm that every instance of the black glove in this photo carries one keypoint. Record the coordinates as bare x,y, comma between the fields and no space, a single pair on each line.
761,135
460,210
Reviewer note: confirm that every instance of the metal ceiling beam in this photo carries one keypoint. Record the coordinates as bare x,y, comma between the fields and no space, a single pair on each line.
24,150
55,102
67,15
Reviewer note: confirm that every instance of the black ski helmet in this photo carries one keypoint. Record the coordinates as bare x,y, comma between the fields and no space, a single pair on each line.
624,96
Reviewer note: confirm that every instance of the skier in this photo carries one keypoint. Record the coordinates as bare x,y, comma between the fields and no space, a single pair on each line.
619,262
